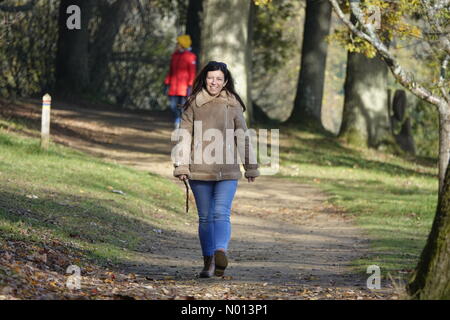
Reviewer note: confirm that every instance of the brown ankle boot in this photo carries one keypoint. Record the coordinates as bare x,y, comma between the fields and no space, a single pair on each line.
208,269
221,262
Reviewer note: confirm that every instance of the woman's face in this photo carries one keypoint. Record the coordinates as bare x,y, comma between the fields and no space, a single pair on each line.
215,81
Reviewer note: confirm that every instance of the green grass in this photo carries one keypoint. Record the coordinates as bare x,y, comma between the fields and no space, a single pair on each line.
391,198
67,195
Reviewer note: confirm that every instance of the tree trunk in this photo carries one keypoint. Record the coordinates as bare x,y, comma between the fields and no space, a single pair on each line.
225,39
72,58
444,145
404,138
112,17
308,101
431,279
250,114
193,24
365,120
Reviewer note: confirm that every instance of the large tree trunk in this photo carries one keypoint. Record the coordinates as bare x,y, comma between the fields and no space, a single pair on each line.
404,137
112,17
248,57
225,38
365,119
444,145
72,58
308,101
431,279
193,24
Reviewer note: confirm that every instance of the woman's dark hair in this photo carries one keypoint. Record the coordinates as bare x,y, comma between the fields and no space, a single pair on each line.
200,81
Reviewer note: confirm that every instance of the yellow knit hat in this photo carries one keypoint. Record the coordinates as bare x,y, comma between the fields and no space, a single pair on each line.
185,41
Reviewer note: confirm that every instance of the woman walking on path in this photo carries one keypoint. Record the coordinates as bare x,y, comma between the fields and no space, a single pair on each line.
214,105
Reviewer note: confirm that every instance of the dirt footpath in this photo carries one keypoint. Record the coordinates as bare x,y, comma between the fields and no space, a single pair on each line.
287,241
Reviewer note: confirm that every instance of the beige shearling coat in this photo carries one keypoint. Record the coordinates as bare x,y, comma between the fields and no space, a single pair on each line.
220,112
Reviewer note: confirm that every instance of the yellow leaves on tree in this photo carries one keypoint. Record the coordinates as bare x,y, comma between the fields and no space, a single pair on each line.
262,2
393,19
352,43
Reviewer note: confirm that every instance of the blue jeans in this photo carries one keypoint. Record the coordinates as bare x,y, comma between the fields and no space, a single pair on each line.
213,199
174,102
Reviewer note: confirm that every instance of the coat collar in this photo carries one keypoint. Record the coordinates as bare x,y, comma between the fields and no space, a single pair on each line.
203,97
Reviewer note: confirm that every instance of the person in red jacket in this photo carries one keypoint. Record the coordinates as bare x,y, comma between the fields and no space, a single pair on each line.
181,76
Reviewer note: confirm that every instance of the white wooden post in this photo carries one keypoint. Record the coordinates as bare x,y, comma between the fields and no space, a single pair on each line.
45,123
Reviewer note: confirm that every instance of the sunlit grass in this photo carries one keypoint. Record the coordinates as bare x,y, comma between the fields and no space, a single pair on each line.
102,208
68,195
391,198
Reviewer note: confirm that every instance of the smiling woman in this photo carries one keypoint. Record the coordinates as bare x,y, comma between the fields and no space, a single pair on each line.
214,78
215,81
214,105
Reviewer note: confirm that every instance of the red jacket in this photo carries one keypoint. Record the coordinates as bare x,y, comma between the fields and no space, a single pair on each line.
182,72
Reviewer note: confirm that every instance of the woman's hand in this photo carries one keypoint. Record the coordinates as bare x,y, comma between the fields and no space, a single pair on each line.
182,177
251,179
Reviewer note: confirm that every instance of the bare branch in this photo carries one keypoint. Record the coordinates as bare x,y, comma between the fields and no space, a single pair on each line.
397,70
430,12
436,33
442,77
